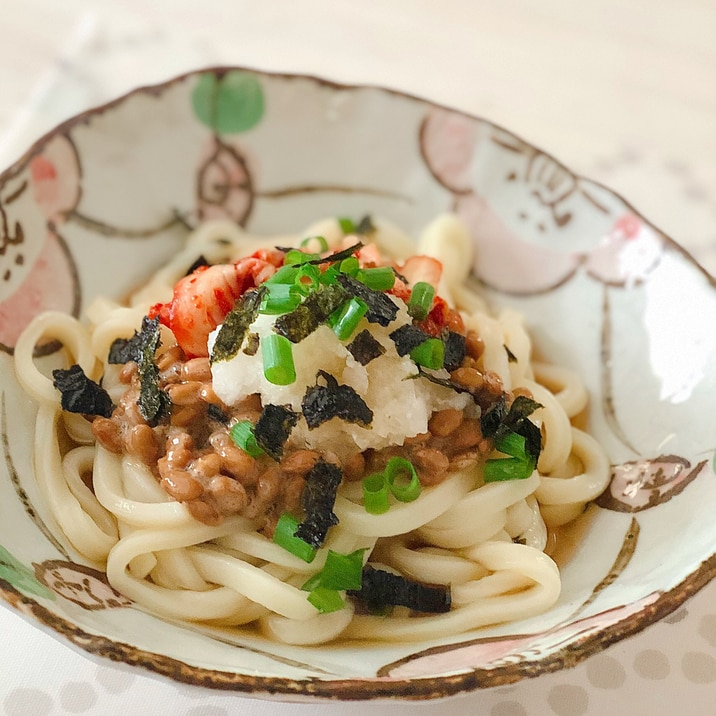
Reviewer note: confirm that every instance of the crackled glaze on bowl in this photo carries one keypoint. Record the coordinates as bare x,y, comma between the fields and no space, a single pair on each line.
98,203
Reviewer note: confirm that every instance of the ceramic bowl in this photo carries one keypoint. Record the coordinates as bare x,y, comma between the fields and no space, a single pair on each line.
98,203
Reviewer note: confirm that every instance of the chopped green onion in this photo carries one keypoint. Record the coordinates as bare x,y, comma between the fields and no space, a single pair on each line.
278,359
345,320
322,243
307,279
284,537
402,479
512,444
326,600
379,279
294,256
329,275
375,494
340,572
429,354
242,433
286,274
421,300
517,467
280,298
348,226
507,468
351,266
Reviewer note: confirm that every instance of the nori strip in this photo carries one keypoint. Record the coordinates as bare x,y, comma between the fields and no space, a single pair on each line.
252,344
498,421
153,402
324,402
337,256
493,417
408,337
236,324
318,499
273,428
315,310
198,263
216,413
330,259
365,226
80,394
364,348
455,350
444,382
380,588
381,309
124,350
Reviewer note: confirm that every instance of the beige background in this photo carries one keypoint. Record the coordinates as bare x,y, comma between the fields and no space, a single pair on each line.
623,92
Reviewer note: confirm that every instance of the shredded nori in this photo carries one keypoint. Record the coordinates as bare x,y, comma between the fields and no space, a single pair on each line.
198,263
337,256
216,413
324,402
124,350
80,394
252,344
455,349
315,310
273,428
330,259
381,309
153,402
493,417
381,588
365,225
317,500
236,324
364,348
444,382
408,337
498,422
511,357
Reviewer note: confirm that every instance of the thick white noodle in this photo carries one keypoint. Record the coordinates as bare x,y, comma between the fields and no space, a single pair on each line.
485,540
534,567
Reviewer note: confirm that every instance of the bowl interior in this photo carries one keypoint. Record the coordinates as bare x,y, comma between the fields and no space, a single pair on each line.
103,200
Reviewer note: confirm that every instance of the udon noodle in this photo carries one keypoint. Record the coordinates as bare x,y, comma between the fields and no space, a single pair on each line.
486,542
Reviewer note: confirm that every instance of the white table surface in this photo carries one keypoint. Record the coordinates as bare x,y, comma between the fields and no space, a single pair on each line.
623,92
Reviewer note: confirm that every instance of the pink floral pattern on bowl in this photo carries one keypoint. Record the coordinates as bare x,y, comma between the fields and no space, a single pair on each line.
86,212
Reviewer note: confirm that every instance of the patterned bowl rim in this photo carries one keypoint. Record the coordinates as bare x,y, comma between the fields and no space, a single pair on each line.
352,689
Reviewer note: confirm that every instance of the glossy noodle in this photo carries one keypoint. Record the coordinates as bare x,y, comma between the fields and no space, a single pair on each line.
485,541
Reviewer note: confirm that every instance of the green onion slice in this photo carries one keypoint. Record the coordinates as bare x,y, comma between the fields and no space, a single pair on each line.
375,494
278,359
512,444
284,537
329,275
345,320
517,467
320,240
326,600
429,354
340,572
402,479
294,256
421,300
351,266
286,274
379,279
347,225
242,433
280,298
307,279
